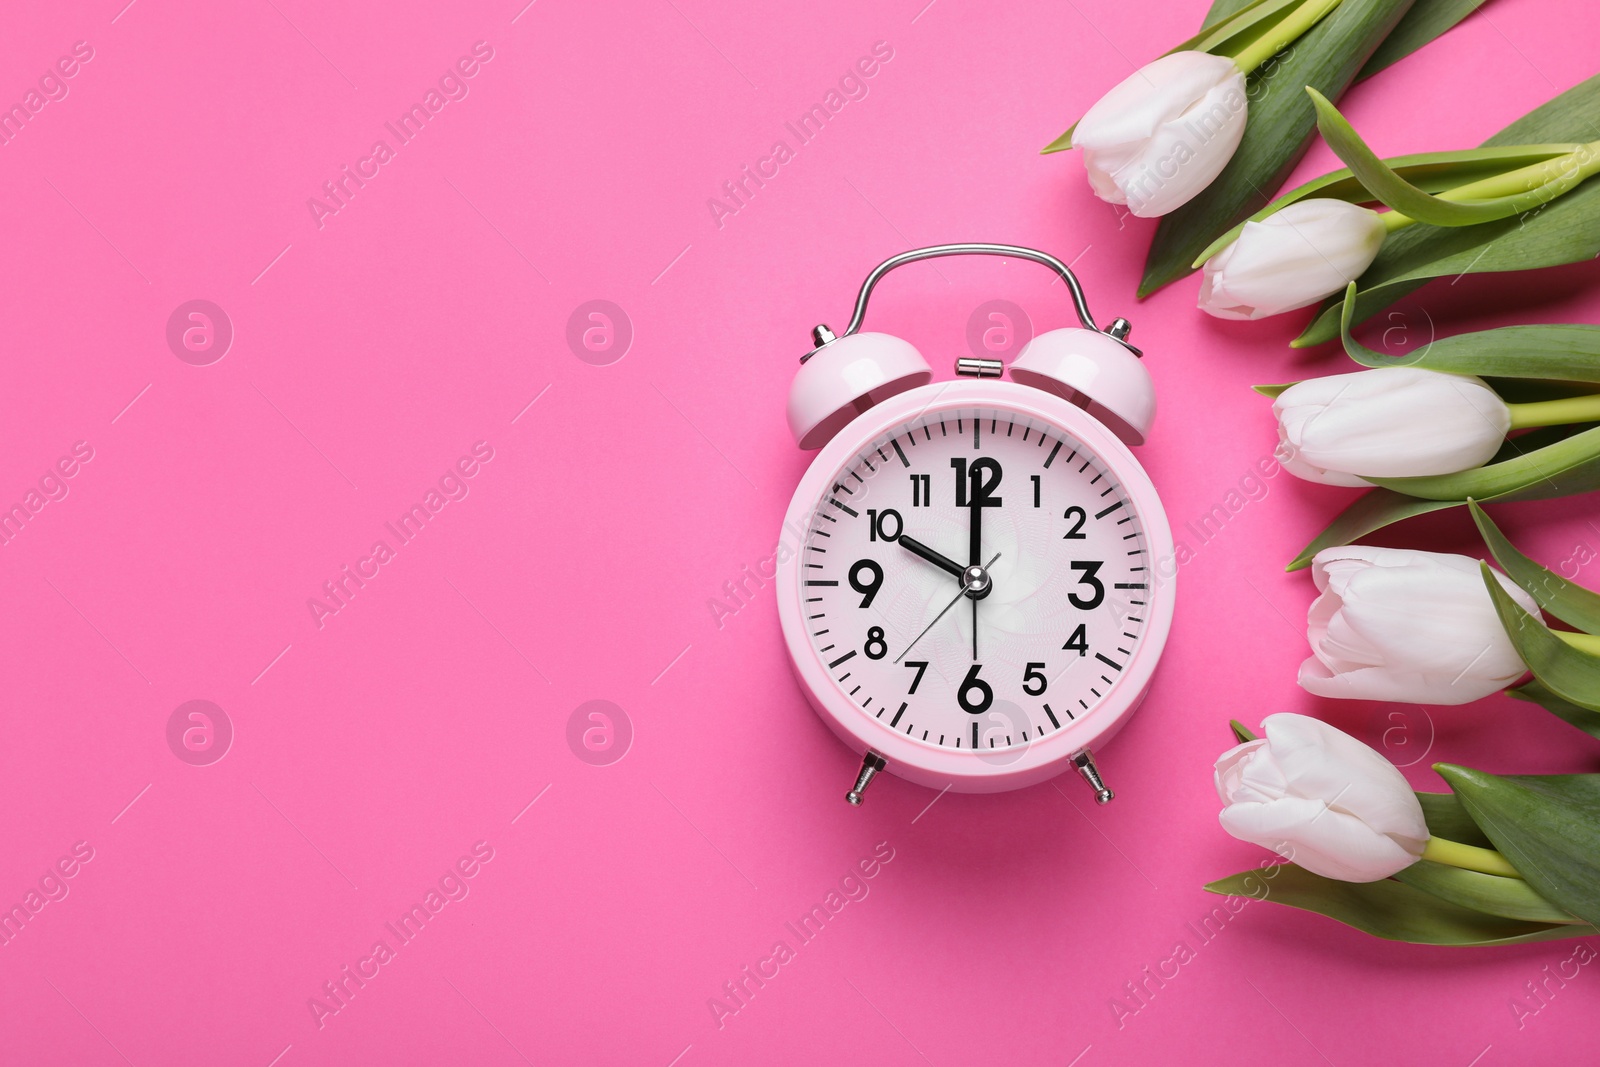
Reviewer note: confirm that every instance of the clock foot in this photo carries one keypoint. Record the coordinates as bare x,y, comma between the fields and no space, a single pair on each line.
1084,761
870,766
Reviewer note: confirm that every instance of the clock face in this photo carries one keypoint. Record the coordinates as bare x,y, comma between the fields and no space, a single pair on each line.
888,600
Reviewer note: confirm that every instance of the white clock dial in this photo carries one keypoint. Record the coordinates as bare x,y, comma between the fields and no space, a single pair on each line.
1064,608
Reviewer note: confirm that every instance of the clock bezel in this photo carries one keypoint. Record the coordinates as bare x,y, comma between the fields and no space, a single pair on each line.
957,769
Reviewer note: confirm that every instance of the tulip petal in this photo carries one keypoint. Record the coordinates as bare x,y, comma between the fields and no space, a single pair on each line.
1321,840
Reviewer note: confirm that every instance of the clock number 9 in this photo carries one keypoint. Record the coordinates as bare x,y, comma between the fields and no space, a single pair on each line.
868,587
969,684
1089,568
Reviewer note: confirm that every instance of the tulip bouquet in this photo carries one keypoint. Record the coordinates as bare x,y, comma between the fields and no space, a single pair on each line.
1196,135
1499,859
1492,208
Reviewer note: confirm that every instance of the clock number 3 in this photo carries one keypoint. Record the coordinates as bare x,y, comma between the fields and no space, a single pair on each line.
1090,569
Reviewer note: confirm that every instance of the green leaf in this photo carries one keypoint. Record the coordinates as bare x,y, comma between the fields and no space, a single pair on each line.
1389,909
1380,507
1566,230
1446,818
1571,465
1277,132
1395,192
1572,675
1273,391
1548,826
1567,353
1534,692
1567,601
1511,898
1241,731
1426,20
1371,511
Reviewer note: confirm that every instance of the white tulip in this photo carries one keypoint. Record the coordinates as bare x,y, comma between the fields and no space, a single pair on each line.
1292,258
1319,797
1164,133
1391,422
1398,624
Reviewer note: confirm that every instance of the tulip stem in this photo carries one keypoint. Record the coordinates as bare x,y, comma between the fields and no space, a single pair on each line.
1468,857
1580,163
1556,412
1285,33
1582,642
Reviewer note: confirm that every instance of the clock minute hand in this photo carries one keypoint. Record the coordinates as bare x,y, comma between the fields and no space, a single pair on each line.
943,562
971,578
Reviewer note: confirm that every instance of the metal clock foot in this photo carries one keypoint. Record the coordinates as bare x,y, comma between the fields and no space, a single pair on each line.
870,766
1084,761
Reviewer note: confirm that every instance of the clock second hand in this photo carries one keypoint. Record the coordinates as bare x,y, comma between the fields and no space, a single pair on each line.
968,581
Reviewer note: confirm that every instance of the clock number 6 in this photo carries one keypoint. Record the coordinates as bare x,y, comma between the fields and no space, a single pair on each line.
868,587
970,683
1089,568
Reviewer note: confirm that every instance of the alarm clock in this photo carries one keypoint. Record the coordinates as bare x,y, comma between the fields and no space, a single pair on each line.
971,599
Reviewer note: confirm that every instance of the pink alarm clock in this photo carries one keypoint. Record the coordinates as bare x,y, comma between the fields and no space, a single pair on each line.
974,602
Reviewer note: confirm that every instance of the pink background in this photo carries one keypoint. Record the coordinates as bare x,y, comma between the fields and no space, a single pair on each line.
374,750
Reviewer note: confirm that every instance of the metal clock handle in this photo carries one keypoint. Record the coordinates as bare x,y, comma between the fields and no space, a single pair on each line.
1117,330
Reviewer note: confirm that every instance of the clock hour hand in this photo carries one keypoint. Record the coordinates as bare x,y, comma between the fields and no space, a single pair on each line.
943,562
973,580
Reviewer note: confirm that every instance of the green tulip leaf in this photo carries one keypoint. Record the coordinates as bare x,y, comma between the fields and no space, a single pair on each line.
1395,192
1570,674
1571,465
1567,601
1380,507
1548,826
1277,132
1511,898
1274,391
1371,511
1535,692
1241,731
1446,818
1388,909
1565,230
1565,353
1426,20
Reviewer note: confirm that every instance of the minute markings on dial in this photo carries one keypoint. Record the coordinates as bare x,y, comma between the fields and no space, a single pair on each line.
1034,614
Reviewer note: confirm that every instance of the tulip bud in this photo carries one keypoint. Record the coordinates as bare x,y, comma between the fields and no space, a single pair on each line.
1319,797
1164,133
1398,624
1294,257
1391,422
